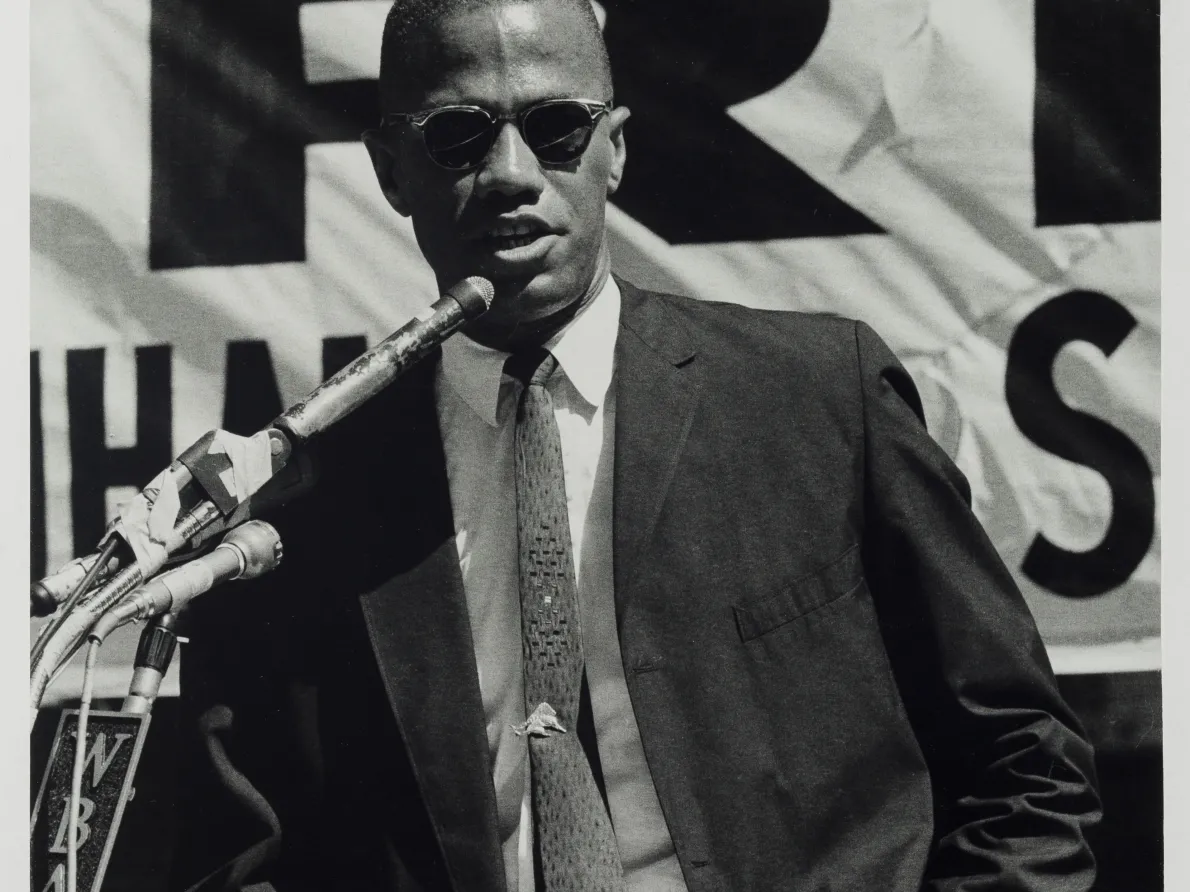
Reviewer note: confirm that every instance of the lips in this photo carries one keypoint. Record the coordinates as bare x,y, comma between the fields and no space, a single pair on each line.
510,235
513,245
508,242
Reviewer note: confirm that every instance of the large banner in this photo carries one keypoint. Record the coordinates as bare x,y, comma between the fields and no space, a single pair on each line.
979,181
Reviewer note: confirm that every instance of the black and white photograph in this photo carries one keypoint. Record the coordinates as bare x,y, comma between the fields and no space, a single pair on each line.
621,446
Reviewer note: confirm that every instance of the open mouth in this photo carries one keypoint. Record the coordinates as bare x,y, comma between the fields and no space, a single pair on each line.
508,237
507,242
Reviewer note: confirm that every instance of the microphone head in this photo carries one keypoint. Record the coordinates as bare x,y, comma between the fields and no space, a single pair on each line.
474,295
259,544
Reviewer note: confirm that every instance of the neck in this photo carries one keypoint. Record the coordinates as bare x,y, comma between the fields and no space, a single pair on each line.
538,331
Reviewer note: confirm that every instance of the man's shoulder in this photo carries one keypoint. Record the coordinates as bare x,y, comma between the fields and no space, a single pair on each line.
721,312
730,328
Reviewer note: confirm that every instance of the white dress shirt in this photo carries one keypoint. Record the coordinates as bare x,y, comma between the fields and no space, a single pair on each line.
477,417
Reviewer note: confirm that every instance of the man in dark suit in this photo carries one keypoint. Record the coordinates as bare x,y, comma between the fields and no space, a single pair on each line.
687,599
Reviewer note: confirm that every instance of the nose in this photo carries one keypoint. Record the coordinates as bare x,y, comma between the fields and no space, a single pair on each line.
510,167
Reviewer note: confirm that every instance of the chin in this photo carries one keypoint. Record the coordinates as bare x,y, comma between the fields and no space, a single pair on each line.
534,300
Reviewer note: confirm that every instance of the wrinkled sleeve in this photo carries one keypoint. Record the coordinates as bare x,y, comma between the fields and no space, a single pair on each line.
1012,773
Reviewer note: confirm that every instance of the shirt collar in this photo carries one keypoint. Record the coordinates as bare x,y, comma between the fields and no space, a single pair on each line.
585,349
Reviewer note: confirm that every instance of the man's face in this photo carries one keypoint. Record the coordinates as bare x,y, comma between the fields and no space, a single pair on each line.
474,222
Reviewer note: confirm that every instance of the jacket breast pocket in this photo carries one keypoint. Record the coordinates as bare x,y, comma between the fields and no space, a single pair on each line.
803,596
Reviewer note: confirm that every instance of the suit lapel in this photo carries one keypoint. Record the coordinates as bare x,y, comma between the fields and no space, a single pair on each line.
420,632
417,617
657,389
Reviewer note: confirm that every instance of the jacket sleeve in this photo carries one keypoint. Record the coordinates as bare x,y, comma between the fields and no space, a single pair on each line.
1012,774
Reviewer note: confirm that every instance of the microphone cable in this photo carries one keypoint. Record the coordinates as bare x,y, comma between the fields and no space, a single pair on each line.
73,600
80,760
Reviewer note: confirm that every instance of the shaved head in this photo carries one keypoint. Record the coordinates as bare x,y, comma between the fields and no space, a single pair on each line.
411,57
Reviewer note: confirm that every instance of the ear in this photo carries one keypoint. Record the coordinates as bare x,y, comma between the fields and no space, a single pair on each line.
615,135
387,167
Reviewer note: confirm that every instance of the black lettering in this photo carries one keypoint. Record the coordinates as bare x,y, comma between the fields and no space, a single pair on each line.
231,116
694,175
37,531
93,466
250,397
1080,438
1097,111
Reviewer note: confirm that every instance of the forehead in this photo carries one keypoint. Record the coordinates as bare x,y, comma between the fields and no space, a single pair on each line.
507,55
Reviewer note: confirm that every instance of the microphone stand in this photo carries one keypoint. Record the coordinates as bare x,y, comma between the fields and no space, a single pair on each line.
209,487
72,816
206,490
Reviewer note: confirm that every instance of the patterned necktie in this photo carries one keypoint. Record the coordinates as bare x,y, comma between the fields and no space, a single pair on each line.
576,844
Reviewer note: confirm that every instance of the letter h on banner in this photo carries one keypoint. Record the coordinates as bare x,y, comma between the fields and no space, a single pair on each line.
94,467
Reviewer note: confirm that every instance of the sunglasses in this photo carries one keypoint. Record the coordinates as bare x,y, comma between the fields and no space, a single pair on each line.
459,137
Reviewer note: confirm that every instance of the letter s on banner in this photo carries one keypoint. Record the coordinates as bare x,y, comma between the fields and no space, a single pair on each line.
1041,415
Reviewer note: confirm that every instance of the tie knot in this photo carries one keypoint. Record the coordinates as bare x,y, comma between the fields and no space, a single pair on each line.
533,366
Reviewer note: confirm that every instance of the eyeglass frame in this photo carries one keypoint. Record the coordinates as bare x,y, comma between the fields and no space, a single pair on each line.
595,108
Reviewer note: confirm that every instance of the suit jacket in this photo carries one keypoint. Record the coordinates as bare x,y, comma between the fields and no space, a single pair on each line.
838,685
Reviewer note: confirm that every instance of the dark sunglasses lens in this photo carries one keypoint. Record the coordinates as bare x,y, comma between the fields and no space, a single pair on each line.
458,138
558,133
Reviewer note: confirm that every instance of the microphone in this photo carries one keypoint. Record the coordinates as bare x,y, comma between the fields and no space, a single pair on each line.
380,366
250,550
46,595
